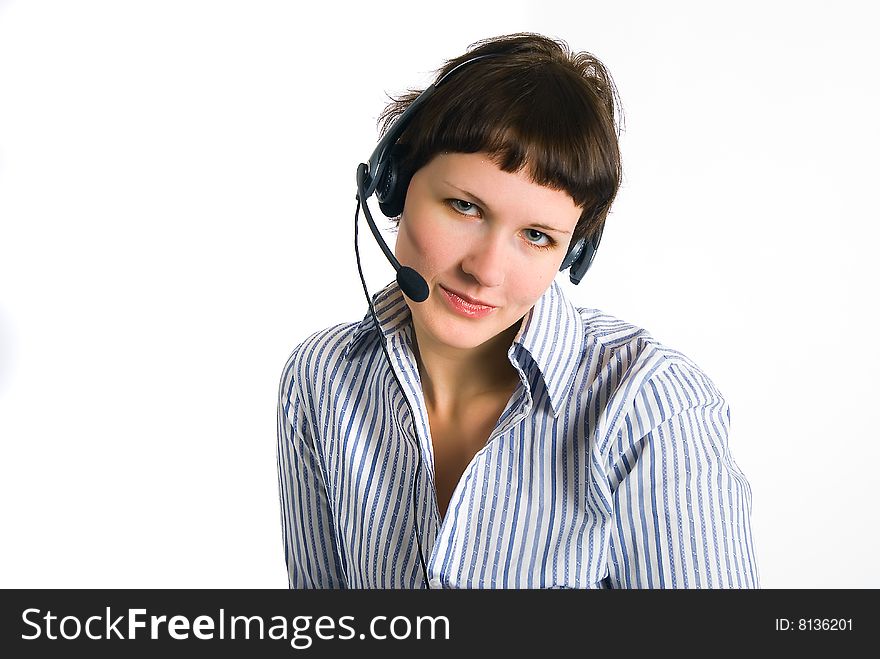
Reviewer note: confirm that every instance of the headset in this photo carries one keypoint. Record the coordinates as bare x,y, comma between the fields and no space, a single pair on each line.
383,176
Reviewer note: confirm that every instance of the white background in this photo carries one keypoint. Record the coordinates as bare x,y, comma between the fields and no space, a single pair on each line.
176,208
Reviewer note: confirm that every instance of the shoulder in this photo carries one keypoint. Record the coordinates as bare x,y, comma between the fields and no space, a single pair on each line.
626,341
637,386
316,354
642,374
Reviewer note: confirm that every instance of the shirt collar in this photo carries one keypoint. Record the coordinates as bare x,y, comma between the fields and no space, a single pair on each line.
551,335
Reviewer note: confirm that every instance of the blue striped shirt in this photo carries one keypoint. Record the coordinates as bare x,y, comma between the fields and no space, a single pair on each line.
608,468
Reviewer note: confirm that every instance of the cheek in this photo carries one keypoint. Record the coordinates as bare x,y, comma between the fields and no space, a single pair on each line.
526,285
423,246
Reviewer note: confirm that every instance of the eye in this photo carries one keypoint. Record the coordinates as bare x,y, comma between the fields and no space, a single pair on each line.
463,207
538,239
535,238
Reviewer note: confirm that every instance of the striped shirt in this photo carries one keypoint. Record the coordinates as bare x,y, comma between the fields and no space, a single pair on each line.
608,468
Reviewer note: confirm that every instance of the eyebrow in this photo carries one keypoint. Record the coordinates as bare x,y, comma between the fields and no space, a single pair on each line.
485,205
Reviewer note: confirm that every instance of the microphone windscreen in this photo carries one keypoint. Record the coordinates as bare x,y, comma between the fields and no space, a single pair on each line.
412,284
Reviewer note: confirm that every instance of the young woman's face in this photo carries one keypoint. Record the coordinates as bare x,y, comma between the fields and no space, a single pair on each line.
498,238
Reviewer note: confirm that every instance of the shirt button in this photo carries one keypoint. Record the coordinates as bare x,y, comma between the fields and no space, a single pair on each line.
435,583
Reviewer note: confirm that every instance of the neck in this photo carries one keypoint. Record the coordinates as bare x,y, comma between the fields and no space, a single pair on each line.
453,376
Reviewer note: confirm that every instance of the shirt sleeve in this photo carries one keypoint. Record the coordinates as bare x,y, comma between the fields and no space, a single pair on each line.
306,517
681,507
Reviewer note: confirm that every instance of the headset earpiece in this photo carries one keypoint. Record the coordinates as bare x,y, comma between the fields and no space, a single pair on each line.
582,261
573,253
391,191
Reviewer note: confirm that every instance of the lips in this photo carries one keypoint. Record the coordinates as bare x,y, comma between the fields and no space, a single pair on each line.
468,298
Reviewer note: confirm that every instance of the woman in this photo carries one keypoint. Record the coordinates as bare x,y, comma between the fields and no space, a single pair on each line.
493,435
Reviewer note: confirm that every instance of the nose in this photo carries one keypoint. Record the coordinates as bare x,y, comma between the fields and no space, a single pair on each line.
486,260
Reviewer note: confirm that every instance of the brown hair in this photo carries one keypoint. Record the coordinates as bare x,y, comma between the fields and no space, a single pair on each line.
539,106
